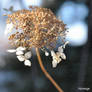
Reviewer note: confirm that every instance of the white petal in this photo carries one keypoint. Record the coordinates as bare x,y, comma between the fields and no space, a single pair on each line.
52,53
59,60
8,28
54,63
63,56
58,54
46,53
19,53
27,62
20,48
21,58
28,55
11,50
60,49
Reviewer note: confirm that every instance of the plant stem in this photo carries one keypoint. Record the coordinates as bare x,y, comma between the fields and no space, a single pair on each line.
46,73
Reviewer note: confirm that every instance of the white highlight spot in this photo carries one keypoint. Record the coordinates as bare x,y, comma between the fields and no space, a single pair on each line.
77,34
8,29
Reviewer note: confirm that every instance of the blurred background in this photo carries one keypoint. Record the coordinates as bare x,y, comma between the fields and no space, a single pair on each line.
73,74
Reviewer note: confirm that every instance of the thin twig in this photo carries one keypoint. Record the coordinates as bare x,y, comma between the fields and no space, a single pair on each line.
46,73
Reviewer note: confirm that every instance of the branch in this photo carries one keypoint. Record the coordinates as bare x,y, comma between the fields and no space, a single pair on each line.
46,73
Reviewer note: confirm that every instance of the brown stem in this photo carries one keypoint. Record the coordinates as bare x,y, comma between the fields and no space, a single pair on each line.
46,73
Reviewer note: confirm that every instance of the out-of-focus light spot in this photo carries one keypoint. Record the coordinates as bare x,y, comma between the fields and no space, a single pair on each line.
82,11
71,12
67,12
77,34
74,14
17,5
32,2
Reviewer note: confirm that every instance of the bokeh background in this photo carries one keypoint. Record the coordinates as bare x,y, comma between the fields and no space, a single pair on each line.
74,73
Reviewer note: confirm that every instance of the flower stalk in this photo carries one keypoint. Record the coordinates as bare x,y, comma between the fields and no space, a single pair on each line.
46,73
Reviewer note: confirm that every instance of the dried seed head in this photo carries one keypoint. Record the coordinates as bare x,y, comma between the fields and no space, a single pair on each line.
36,28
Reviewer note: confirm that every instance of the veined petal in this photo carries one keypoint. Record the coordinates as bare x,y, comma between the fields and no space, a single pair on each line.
20,48
27,62
19,53
11,50
63,56
21,58
28,55
60,49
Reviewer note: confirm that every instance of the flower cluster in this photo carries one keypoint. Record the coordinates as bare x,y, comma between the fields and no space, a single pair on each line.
58,56
35,28
22,55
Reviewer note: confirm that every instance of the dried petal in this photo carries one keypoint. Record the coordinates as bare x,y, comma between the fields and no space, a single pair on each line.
58,54
59,60
54,63
28,55
20,48
19,53
63,56
21,58
27,62
11,50
52,53
60,49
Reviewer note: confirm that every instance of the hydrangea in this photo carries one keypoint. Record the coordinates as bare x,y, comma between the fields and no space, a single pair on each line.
36,28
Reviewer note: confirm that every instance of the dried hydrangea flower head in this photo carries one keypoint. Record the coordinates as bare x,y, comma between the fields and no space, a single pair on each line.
36,28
